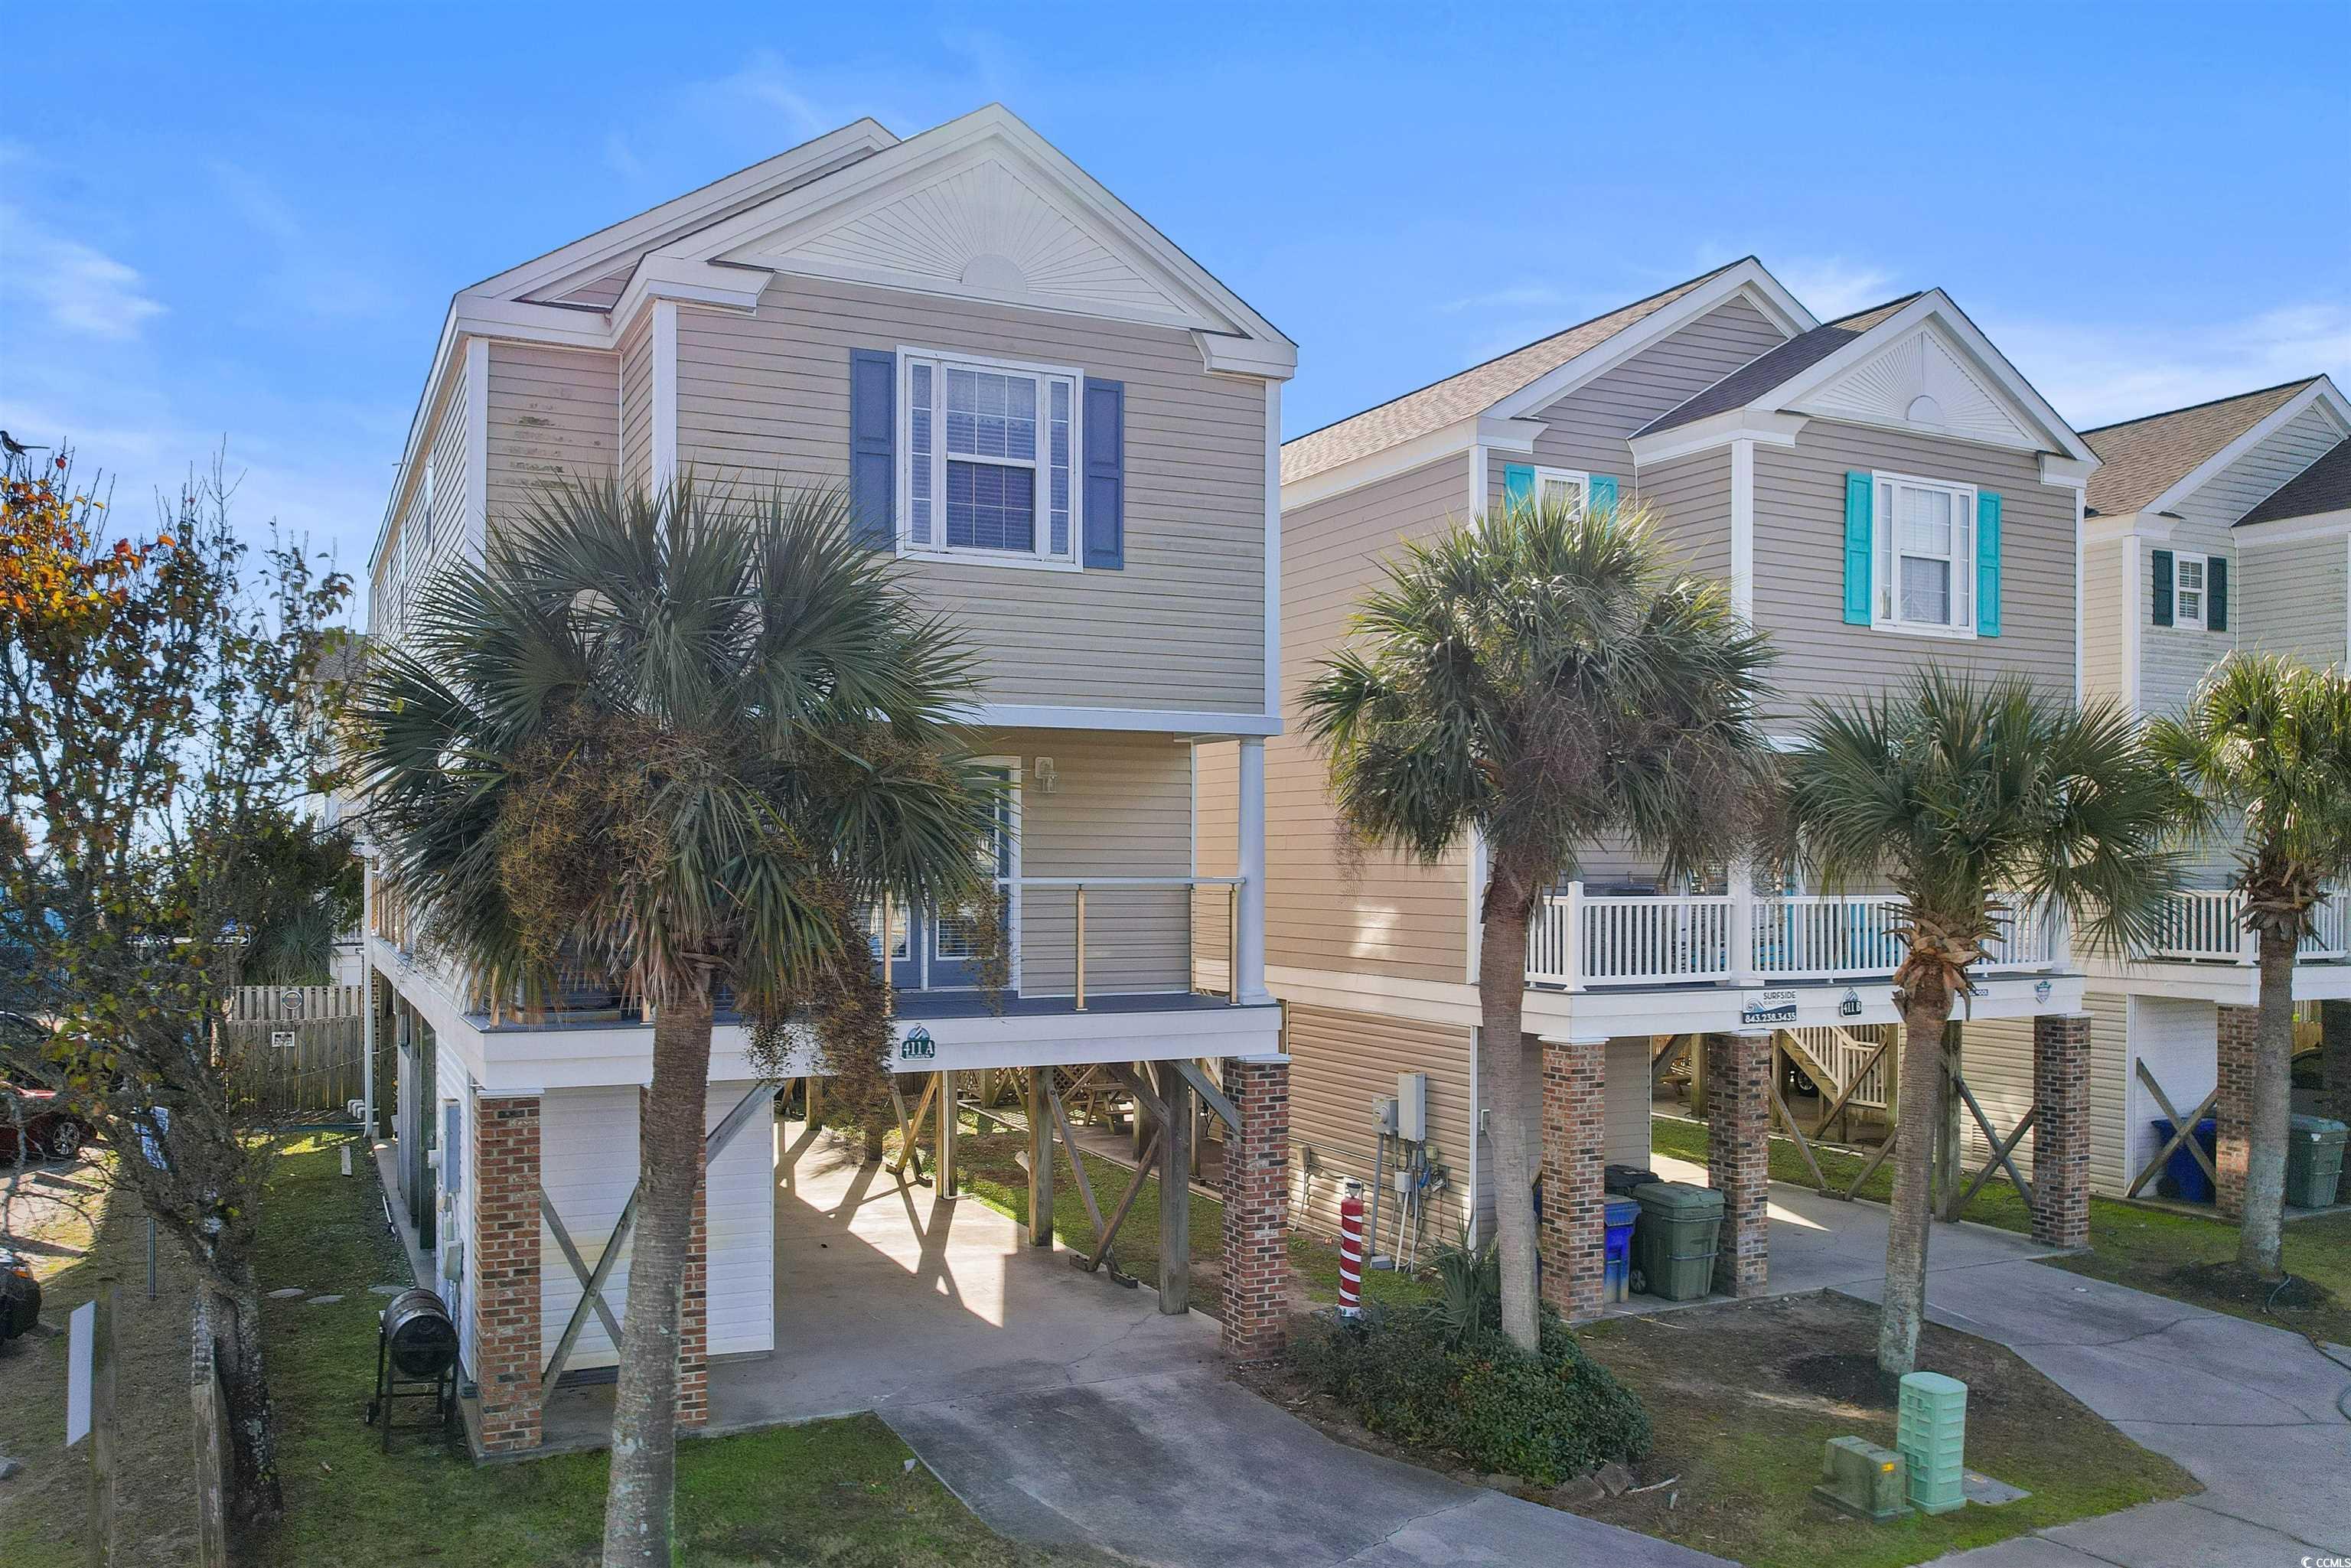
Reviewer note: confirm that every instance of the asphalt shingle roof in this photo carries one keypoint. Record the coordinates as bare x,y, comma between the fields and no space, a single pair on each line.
2324,486
1759,375
1471,392
2139,459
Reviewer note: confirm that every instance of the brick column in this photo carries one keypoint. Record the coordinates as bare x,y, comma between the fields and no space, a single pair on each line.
506,1248
1739,1157
694,1303
2335,1059
1255,1179
1574,1238
2061,1129
2234,1053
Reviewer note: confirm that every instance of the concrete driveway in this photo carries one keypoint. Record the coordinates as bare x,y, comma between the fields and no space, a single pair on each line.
1066,1409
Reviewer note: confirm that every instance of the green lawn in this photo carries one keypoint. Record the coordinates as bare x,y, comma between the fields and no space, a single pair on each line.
993,1173
834,1493
2148,1248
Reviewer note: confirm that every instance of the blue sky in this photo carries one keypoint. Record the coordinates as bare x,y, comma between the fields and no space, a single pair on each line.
246,221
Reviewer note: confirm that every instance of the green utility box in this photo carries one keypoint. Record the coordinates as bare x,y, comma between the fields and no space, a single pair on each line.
1863,1480
1930,1428
2314,1161
1673,1241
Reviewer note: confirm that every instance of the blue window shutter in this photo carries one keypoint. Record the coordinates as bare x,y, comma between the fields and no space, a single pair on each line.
1518,485
2160,600
1859,490
2216,594
872,431
1987,564
1604,493
1105,495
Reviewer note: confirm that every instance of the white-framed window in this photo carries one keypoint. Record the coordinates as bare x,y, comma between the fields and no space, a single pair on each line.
989,464
2190,577
1925,551
1562,484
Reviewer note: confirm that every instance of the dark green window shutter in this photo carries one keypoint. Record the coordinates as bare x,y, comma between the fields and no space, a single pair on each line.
2162,598
1859,489
1987,564
2216,594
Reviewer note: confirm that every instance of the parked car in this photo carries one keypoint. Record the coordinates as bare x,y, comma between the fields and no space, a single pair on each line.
50,1132
20,1296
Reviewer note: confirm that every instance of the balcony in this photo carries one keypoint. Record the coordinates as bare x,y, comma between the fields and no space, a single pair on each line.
2207,926
1581,941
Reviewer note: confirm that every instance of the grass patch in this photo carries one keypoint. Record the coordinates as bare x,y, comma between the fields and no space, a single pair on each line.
831,1492
2151,1249
993,1172
1741,1397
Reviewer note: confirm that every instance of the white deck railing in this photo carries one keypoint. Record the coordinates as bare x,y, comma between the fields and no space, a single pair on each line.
2207,926
1578,939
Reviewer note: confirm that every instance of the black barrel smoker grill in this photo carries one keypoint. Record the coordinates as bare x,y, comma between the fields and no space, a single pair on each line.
416,1358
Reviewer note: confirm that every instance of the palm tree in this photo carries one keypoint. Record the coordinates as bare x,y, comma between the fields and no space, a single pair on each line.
1548,681
1973,801
686,740
2266,746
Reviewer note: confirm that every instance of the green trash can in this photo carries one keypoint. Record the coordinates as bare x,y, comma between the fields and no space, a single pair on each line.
2314,1161
1674,1242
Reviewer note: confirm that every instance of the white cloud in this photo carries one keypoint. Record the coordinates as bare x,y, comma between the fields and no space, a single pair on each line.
1830,287
2098,372
1514,296
76,288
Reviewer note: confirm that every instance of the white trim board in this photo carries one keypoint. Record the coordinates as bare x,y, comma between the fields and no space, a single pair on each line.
1186,722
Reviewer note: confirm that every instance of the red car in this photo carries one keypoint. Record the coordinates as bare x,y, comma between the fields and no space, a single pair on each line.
52,1133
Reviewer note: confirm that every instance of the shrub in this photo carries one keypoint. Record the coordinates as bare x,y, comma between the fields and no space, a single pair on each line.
1545,1417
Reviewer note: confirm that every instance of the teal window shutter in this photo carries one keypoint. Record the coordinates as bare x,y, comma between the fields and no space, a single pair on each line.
1987,564
1859,489
1518,486
1604,493
2160,600
2216,594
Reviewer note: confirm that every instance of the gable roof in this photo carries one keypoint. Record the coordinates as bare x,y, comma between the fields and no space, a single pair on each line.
1471,391
2324,486
2140,459
1759,375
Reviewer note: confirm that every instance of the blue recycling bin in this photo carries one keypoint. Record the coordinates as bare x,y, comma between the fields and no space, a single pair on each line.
2183,1178
1618,1268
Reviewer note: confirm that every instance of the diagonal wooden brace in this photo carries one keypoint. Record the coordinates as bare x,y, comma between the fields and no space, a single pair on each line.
2000,1150
2183,1130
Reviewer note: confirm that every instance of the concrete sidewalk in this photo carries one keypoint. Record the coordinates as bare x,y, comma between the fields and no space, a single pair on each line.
2247,1410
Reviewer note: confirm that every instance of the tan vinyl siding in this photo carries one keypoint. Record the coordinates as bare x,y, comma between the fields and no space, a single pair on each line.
637,402
2103,601
1331,904
1690,499
1216,851
1996,1060
766,397
1800,564
453,518
554,414
1122,806
2289,599
1996,1057
1339,1063
1587,429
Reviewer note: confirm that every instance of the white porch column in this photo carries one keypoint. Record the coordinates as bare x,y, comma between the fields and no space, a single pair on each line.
1249,985
1740,883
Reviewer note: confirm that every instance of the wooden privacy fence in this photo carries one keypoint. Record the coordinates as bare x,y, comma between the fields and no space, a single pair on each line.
309,1070
295,1004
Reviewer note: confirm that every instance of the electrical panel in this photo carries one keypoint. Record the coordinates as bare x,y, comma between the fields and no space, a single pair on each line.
1383,1115
1412,1107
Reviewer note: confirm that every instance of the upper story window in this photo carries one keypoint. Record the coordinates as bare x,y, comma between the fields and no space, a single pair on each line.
2188,579
991,460
1925,554
1563,486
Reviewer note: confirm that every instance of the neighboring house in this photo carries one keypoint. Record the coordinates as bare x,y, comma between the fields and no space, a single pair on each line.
2212,528
1066,430
1880,492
